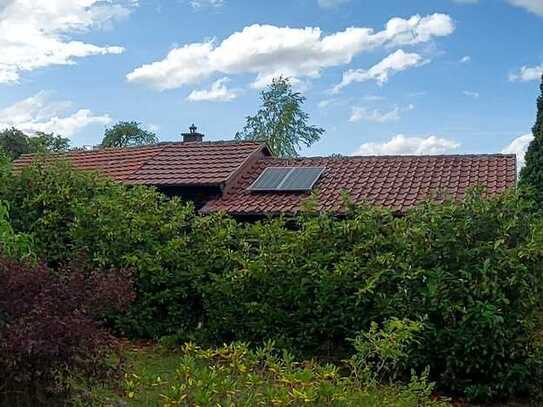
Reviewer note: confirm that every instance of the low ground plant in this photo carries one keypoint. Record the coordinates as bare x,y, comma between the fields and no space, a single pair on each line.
235,375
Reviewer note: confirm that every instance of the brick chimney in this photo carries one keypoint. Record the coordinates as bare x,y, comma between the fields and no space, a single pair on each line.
193,136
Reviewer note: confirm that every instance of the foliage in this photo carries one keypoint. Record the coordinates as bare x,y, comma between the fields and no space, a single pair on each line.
469,273
127,134
48,143
49,328
281,122
234,375
43,201
140,229
532,173
382,353
14,142
13,245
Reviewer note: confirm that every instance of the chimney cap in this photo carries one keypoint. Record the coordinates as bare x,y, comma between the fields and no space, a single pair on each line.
193,135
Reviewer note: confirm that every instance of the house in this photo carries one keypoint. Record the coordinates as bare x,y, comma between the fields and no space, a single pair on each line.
245,180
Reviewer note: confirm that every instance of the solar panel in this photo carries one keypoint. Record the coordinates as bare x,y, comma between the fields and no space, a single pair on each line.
270,179
287,179
301,179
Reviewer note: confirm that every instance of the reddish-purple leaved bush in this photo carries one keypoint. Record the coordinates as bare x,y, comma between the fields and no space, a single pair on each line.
50,325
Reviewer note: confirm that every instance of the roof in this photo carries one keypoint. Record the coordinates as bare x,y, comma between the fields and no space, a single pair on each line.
396,182
165,164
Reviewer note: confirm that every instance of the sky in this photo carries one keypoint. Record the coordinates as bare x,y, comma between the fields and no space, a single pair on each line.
380,76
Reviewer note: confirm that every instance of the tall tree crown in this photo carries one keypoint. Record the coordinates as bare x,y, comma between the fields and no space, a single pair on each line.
280,121
532,173
14,143
127,134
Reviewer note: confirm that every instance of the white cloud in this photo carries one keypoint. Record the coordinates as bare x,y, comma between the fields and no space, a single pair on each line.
519,146
527,73
533,6
218,92
35,34
396,62
325,103
37,113
267,51
376,116
332,3
200,4
471,94
402,145
465,59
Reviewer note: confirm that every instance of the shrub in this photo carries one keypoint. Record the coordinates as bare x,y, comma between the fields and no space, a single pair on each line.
13,244
43,201
235,375
49,327
140,229
469,271
173,253
382,353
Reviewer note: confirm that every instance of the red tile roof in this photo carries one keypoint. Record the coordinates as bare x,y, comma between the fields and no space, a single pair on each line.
396,182
172,164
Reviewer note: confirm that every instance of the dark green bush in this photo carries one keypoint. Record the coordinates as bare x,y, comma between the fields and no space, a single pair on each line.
44,200
469,273
140,229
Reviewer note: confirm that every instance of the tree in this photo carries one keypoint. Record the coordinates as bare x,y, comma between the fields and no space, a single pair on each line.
126,134
281,122
49,143
532,173
14,142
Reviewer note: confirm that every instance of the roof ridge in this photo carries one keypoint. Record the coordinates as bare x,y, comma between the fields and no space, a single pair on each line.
398,156
147,146
199,143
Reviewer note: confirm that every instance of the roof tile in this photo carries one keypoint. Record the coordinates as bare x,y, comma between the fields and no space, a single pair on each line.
207,163
397,182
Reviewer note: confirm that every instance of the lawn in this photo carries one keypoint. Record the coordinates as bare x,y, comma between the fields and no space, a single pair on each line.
237,376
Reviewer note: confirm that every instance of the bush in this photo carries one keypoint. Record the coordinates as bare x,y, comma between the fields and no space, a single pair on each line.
235,375
171,252
14,245
382,353
470,272
44,200
140,229
49,328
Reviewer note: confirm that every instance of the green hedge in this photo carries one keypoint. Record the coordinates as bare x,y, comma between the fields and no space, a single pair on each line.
469,272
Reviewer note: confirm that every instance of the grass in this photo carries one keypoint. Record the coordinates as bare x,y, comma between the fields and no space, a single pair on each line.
233,375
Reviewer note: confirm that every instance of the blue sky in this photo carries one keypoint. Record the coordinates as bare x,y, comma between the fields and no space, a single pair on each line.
382,77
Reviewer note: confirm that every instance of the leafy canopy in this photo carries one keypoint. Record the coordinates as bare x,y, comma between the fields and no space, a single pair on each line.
48,143
127,134
532,173
281,122
14,142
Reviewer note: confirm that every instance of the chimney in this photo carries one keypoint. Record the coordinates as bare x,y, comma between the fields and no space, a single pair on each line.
193,136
